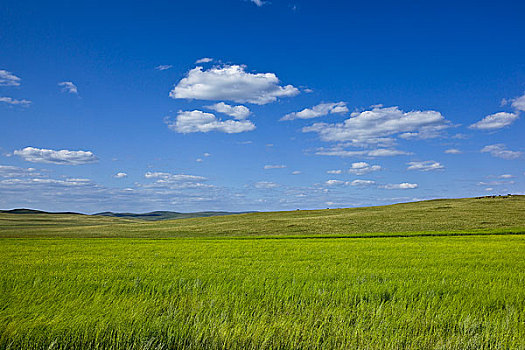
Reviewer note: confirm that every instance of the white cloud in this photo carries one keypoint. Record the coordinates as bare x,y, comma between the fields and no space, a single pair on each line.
266,167
341,152
204,60
362,183
506,176
170,181
361,168
14,102
519,103
334,182
453,151
199,160
41,155
427,165
231,83
296,172
317,111
120,175
198,121
495,121
164,67
69,87
259,3
401,186
500,150
14,171
8,79
206,154
334,171
265,185
238,112
380,126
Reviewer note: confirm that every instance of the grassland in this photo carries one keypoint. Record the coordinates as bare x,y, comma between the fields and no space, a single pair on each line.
63,286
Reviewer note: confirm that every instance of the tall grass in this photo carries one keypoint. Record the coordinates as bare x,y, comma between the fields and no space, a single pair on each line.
382,293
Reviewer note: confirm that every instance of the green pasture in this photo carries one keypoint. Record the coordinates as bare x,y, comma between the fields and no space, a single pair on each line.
446,274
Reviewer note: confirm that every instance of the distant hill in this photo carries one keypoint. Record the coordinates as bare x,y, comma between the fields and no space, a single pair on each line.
151,216
33,211
167,215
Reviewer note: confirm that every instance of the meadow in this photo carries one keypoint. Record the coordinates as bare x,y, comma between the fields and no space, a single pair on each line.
429,283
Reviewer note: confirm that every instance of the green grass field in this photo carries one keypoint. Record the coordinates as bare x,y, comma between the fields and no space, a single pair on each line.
447,274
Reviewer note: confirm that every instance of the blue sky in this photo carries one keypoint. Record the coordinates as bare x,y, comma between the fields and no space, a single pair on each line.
258,105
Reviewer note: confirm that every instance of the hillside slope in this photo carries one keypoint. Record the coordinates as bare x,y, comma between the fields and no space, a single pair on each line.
470,215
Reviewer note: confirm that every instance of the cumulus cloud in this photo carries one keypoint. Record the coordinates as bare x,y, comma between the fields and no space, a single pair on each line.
69,87
334,172
317,111
41,155
8,79
334,182
265,185
296,172
519,103
120,175
427,165
164,67
500,150
204,60
453,151
506,176
380,126
14,171
341,152
361,168
238,112
401,186
175,181
362,183
14,102
266,167
495,121
198,121
259,3
231,83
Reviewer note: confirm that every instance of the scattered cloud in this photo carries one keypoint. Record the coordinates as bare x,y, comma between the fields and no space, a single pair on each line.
198,121
69,87
426,165
495,121
500,150
204,60
231,83
266,167
341,152
380,126
334,182
41,155
317,111
14,102
238,112
120,175
265,185
334,171
296,172
401,186
175,181
14,171
519,103
506,176
8,79
163,67
453,151
361,168
259,3
362,183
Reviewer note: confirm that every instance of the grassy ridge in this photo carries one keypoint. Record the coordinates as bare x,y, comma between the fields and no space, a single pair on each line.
385,293
467,215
